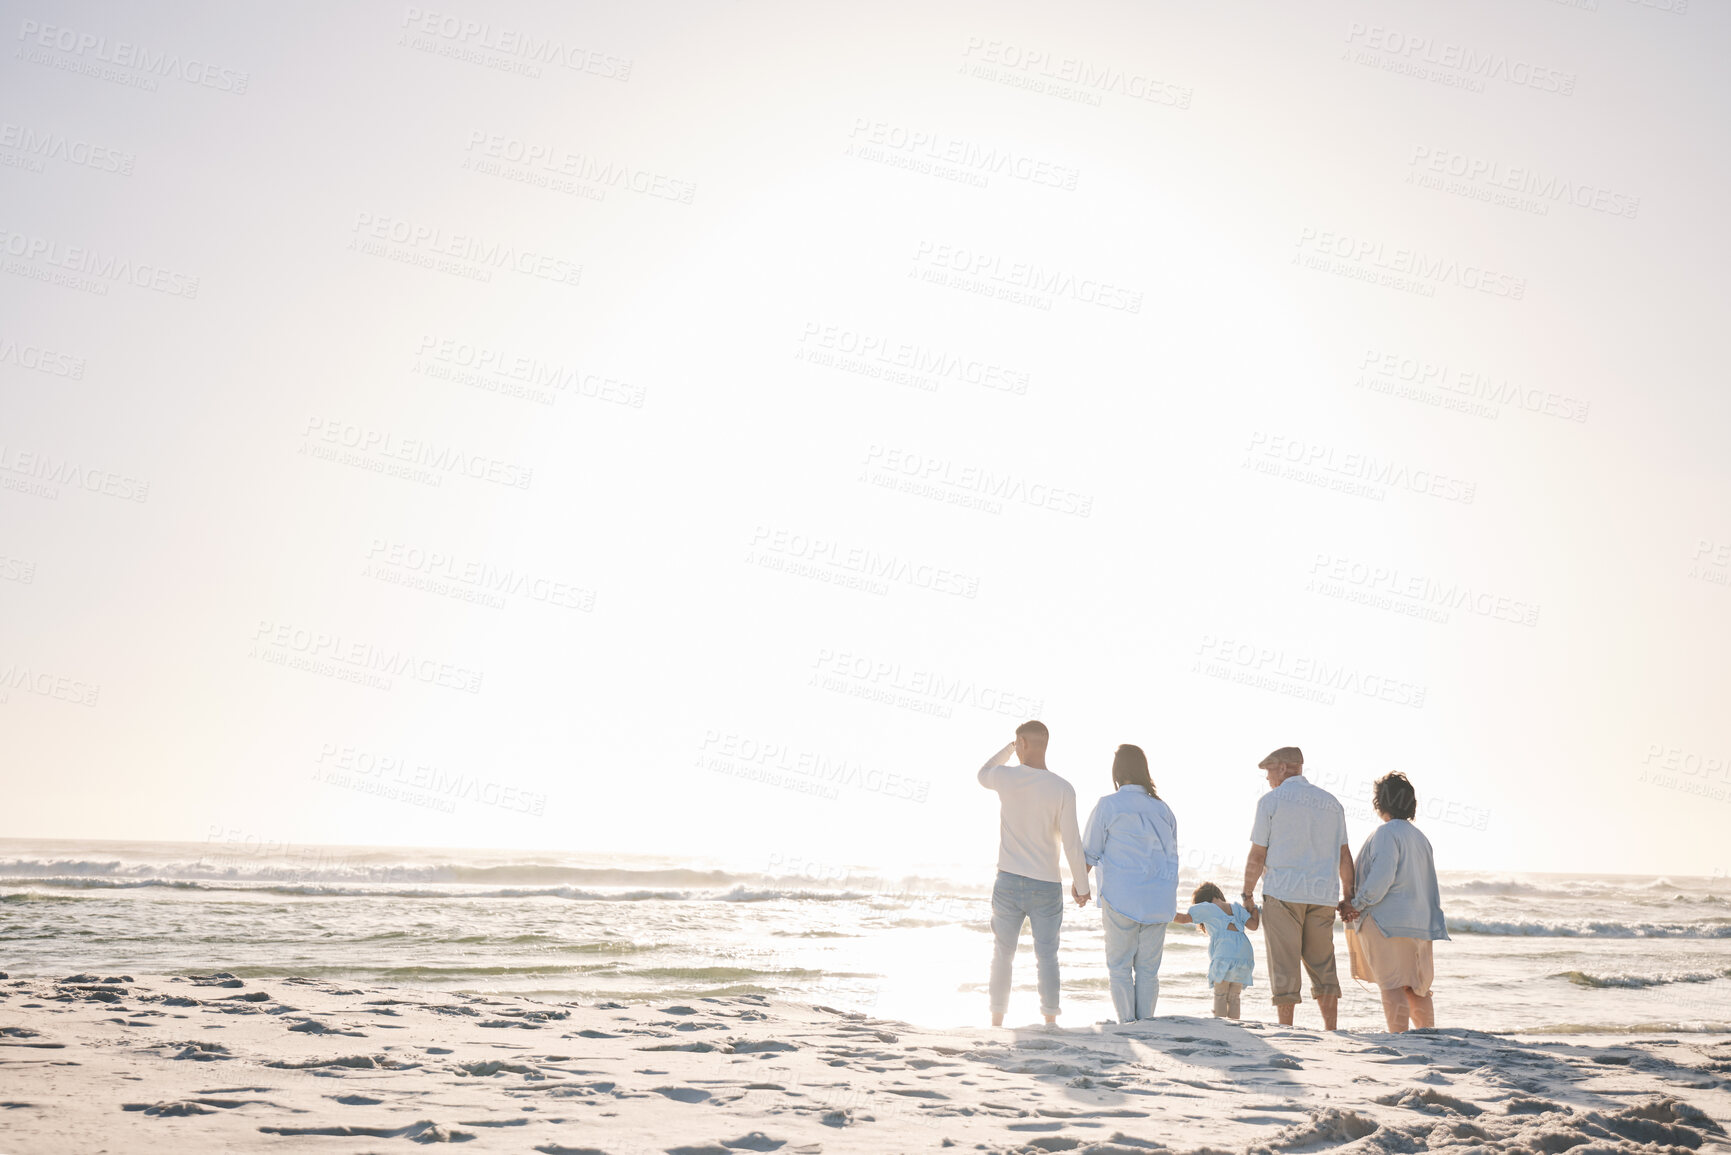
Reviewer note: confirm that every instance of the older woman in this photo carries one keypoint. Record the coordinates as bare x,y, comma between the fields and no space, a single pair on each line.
1133,838
1397,908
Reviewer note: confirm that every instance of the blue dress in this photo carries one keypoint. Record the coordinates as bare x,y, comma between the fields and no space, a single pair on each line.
1230,957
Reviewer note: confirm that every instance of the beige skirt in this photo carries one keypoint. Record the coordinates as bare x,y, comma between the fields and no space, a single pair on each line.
1390,963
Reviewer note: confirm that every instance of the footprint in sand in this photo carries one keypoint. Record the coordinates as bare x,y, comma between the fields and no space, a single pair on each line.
755,1141
425,1131
314,1027
682,1094
1430,1102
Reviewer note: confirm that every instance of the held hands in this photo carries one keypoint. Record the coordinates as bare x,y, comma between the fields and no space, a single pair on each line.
1249,904
1081,899
1348,913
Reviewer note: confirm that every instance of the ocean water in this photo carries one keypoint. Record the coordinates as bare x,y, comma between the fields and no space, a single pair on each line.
1531,954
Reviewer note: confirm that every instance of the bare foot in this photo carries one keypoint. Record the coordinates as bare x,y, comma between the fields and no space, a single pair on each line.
997,1020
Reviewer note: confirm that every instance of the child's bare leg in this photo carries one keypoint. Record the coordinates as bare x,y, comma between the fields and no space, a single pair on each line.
1423,1009
1394,1009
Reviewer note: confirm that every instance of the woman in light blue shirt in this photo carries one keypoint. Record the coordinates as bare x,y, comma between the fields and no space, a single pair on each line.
1397,909
1133,838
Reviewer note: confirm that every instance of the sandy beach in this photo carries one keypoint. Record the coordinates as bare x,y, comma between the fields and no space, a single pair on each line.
124,1063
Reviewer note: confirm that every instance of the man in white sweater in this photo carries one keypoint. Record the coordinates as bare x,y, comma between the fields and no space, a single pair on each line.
1037,811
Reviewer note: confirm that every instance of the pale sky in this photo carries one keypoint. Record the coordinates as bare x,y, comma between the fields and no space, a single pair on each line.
708,430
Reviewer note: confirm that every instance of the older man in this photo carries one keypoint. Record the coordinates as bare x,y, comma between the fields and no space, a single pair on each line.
1299,840
1037,814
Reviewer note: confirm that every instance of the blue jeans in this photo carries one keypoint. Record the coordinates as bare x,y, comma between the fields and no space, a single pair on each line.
1133,946
1015,898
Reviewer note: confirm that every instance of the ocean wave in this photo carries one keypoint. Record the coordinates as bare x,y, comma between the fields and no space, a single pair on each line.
1641,890
813,934
356,972
263,867
725,974
329,865
775,894
337,890
1640,982
1716,928
1497,886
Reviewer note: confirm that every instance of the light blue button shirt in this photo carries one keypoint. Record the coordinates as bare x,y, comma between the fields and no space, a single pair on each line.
1304,828
1230,956
1133,839
1397,884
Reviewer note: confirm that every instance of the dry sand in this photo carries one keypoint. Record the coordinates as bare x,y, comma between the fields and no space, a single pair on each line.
109,1063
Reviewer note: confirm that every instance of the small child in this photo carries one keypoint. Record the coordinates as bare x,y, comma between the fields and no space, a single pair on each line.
1231,962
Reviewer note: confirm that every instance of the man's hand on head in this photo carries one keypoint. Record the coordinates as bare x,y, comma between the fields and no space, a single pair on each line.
1002,757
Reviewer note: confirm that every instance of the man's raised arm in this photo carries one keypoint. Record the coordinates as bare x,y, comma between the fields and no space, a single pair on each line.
996,760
